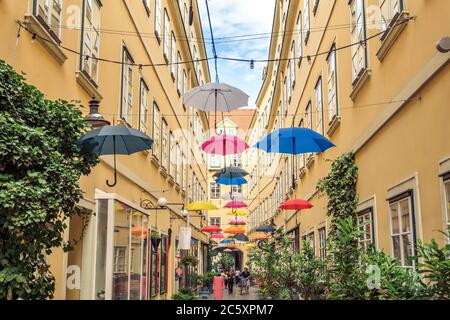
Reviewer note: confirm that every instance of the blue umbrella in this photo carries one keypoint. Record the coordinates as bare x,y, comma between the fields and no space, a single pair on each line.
238,181
112,140
266,229
294,141
230,172
226,241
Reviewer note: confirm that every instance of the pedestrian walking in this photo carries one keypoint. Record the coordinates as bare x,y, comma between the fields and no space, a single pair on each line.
245,275
218,286
230,282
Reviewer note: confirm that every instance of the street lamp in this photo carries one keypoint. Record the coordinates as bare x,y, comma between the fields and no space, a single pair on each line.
94,118
443,45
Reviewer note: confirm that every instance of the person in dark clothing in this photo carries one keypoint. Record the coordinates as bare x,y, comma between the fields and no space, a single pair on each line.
245,275
230,281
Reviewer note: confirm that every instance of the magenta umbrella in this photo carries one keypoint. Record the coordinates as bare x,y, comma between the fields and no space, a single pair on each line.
217,236
235,204
224,145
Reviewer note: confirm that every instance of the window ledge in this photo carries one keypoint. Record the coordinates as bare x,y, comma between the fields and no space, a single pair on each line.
177,186
302,173
173,76
307,37
333,125
88,85
310,161
359,82
49,43
171,180
163,172
155,160
392,33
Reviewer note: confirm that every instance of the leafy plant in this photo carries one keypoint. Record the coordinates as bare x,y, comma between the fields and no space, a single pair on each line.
40,168
155,235
184,294
224,261
189,261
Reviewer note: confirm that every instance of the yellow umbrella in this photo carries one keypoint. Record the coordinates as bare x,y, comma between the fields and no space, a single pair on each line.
237,212
259,236
200,205
250,245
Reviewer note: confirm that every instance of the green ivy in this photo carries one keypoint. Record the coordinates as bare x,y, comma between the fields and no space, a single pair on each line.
40,168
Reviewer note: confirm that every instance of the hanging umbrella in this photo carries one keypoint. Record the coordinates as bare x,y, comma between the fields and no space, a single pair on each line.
296,204
266,229
232,246
237,213
213,97
230,173
240,237
200,205
235,204
113,140
231,182
236,222
227,250
294,141
224,144
211,229
234,230
233,196
226,241
250,245
217,236
259,236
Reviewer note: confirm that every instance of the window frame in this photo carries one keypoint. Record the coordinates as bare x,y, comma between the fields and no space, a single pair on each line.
127,61
365,243
46,21
83,55
358,29
445,183
142,88
158,23
333,113
156,124
214,190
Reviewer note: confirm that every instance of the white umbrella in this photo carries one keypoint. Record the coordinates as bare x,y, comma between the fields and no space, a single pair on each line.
216,96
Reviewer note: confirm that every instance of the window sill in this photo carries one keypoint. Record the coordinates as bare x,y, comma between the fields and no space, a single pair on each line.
163,172
359,82
88,85
155,160
310,161
302,173
158,38
173,76
36,27
179,95
392,33
171,179
307,37
166,59
333,125
178,187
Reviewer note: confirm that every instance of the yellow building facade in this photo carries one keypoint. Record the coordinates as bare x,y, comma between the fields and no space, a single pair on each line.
367,75
151,53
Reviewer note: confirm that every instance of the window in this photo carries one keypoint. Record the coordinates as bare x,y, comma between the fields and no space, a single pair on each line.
306,22
236,189
163,265
183,177
215,190
365,226
292,66
402,229
166,36
333,110
49,13
322,243
120,258
309,238
358,35
156,131
308,122
236,160
164,144
178,164
300,37
215,161
172,155
179,74
147,6
184,82
91,39
143,107
174,56
315,6
215,221
127,87
158,18
389,12
447,199
186,18
319,107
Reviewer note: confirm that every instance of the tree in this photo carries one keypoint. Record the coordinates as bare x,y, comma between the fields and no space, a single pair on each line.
40,168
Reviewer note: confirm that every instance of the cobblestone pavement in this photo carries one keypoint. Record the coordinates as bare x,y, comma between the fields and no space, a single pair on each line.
236,295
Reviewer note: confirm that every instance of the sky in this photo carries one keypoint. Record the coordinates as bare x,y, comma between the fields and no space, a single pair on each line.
234,18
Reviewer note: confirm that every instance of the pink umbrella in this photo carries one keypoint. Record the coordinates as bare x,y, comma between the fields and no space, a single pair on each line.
235,204
217,236
224,145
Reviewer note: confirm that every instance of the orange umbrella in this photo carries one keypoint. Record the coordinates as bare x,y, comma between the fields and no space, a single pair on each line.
232,246
234,230
137,231
259,236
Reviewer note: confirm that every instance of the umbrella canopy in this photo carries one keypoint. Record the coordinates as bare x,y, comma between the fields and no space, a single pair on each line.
233,196
227,250
232,246
240,237
217,236
231,182
215,97
237,213
226,241
230,173
296,204
236,222
113,140
235,204
211,229
266,229
224,144
259,236
200,205
294,141
250,245
234,230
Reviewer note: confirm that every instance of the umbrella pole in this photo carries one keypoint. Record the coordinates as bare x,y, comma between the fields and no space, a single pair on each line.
292,164
115,168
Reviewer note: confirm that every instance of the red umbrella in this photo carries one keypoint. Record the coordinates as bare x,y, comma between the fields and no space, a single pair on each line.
237,223
296,204
211,229
217,236
235,204
224,145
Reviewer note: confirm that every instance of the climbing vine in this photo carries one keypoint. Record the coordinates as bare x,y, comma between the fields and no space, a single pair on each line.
40,168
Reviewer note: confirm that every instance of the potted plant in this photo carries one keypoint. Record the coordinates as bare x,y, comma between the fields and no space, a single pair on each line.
189,261
156,239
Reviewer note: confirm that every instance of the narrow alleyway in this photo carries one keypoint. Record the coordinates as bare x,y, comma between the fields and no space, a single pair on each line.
252,295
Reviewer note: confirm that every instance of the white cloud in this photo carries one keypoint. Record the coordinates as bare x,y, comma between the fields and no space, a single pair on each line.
232,18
